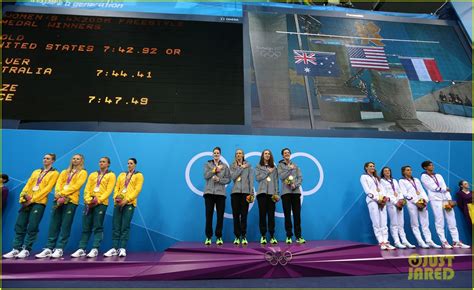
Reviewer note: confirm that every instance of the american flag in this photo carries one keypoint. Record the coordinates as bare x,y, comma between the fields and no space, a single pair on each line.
371,57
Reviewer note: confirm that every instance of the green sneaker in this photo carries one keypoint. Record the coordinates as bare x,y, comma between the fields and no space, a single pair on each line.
236,241
244,241
263,240
273,241
300,241
288,240
208,242
219,241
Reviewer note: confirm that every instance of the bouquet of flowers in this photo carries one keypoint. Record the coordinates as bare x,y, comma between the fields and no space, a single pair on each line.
60,201
382,201
275,198
289,180
90,204
421,204
119,198
401,203
250,198
24,197
449,205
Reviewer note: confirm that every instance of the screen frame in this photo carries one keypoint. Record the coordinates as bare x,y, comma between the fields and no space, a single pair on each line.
247,128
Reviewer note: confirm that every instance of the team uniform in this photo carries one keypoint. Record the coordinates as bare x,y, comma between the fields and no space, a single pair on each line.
291,198
214,195
413,191
99,187
375,191
39,185
267,187
243,186
397,222
438,194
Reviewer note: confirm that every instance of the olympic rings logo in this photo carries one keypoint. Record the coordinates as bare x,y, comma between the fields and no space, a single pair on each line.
304,193
277,257
270,52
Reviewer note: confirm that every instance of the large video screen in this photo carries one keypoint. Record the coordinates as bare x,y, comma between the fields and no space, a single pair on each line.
347,72
90,68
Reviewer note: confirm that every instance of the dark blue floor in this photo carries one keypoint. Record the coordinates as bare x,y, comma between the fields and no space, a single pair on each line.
462,279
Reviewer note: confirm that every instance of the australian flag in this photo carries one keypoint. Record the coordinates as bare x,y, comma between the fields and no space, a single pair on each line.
316,63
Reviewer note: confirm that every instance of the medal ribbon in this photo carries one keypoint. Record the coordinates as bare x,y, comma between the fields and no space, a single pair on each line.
70,176
391,183
42,175
100,177
127,180
434,178
413,183
375,181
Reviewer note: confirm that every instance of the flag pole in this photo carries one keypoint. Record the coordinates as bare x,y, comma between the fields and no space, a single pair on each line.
306,80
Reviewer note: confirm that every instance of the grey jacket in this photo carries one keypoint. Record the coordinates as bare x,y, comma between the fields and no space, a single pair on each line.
242,177
284,172
265,186
213,187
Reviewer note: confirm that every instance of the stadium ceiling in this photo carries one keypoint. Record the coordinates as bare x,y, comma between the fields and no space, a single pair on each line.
390,6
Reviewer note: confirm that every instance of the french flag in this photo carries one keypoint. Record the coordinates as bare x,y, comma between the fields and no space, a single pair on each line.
421,69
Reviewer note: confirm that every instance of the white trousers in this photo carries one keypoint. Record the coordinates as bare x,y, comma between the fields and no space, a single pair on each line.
424,220
397,224
440,214
379,221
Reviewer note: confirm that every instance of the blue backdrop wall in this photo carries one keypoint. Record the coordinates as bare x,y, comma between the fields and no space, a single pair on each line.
170,207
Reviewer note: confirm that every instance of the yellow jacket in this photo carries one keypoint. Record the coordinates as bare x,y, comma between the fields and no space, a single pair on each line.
133,189
45,187
74,187
105,188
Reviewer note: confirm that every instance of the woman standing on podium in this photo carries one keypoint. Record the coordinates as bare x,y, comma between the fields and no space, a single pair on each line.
376,199
395,209
216,176
128,187
267,195
33,199
242,192
66,199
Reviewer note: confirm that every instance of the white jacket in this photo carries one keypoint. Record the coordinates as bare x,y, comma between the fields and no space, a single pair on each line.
435,192
409,191
369,184
389,190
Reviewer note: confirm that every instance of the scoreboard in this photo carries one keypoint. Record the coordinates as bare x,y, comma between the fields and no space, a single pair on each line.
90,68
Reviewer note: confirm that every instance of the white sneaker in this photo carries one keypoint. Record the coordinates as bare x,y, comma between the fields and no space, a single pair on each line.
408,245
122,252
446,245
23,254
111,252
400,245
423,245
58,253
46,253
433,245
389,247
461,245
93,253
78,253
383,247
12,254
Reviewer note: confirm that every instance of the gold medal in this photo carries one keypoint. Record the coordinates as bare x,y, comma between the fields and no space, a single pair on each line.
66,186
239,179
269,179
378,189
36,188
417,193
96,189
396,194
124,190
